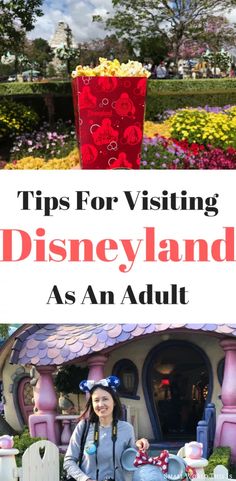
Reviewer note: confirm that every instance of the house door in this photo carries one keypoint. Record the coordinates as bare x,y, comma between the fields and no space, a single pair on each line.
25,396
177,383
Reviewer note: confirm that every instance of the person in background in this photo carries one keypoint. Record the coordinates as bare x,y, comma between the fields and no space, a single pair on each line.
147,66
107,435
232,71
171,71
216,72
161,71
153,71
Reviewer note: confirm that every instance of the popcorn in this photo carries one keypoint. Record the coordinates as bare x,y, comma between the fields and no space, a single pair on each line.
112,68
109,103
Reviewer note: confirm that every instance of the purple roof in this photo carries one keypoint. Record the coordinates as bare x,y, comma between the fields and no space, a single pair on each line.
55,344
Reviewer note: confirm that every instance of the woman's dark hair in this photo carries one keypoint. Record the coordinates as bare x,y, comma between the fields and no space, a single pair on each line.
117,410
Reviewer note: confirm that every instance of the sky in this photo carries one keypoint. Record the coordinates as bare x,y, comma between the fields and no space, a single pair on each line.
78,14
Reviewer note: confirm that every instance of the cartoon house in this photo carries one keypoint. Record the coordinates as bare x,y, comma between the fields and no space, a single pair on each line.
176,379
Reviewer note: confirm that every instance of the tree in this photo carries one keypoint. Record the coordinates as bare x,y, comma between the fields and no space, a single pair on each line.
16,18
4,331
175,19
220,59
67,53
108,47
68,378
218,34
39,51
210,43
6,70
154,48
191,48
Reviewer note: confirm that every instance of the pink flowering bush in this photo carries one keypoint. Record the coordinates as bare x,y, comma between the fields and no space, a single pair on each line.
161,153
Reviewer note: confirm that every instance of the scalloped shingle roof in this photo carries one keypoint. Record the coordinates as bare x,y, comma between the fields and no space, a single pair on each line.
56,344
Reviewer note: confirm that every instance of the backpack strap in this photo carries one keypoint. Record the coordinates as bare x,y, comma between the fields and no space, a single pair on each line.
83,441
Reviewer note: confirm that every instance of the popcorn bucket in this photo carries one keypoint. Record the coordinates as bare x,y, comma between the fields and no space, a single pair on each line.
109,116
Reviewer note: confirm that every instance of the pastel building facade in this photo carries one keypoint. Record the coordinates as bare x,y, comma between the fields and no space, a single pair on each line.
174,378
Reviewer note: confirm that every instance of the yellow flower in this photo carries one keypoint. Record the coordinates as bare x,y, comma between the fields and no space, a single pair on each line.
38,163
151,129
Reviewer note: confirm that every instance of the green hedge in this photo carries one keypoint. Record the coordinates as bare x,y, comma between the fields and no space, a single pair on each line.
34,95
36,88
22,442
155,87
174,94
157,105
192,86
162,95
219,456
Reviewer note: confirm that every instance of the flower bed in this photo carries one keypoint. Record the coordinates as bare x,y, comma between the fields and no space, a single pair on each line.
38,163
192,139
162,153
204,127
15,118
45,142
186,139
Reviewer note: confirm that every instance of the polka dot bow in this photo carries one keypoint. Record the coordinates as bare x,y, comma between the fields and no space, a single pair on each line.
160,461
88,384
191,472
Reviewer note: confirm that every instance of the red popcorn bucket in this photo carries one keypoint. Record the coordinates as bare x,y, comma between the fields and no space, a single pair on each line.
109,116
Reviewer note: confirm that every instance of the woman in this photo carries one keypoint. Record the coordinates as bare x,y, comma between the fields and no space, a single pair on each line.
106,438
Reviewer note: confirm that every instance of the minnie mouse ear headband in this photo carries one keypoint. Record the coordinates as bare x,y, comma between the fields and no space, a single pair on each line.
111,381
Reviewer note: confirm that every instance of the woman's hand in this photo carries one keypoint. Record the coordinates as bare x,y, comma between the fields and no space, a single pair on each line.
142,444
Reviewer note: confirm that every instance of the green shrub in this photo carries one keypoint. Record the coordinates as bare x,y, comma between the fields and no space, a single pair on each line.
192,86
61,469
155,87
40,96
22,442
157,104
219,456
35,88
16,118
175,94
161,95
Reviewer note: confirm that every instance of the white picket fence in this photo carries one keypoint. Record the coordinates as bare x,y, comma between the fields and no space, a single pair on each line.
220,474
40,462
